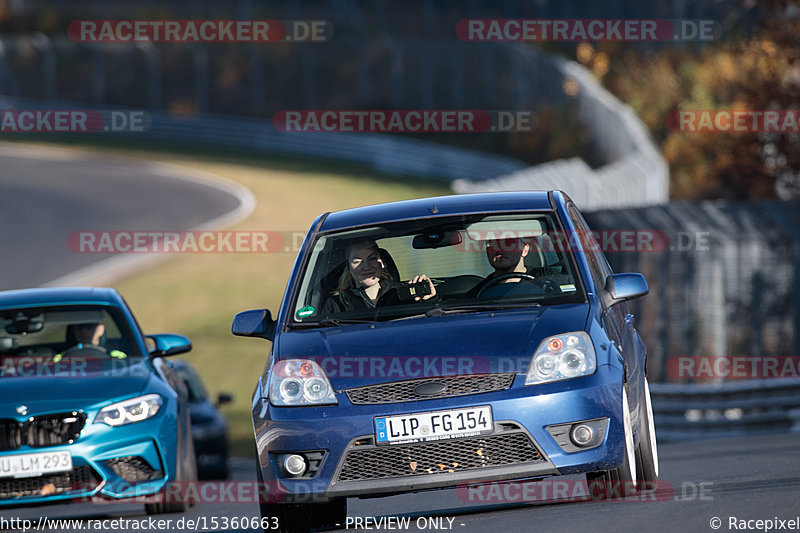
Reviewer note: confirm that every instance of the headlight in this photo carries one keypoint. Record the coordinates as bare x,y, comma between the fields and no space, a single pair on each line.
562,357
130,411
299,382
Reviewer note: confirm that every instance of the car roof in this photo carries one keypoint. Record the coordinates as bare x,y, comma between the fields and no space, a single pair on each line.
438,206
59,296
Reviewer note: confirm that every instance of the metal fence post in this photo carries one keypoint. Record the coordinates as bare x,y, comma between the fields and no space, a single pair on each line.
757,314
152,74
201,79
98,75
796,292
45,46
257,86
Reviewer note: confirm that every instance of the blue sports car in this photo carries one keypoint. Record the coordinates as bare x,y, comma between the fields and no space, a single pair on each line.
446,342
88,407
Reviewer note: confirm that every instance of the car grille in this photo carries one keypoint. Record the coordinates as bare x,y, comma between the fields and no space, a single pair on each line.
133,468
403,391
41,431
79,479
439,457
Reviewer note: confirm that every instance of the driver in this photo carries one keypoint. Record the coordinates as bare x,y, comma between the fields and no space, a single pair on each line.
88,335
91,333
506,256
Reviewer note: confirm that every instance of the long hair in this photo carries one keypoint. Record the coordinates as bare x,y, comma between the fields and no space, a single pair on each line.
346,279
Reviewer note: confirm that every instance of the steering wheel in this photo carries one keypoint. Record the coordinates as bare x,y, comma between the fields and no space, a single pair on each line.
499,279
85,349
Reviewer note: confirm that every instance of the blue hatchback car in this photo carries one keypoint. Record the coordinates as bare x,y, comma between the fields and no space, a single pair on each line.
444,342
88,407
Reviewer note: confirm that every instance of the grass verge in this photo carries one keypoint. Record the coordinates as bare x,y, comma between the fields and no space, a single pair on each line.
198,294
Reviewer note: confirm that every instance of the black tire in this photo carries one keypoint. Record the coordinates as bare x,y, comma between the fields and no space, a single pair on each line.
619,482
647,450
299,517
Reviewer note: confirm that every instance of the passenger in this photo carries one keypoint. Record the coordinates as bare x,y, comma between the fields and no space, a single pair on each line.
365,282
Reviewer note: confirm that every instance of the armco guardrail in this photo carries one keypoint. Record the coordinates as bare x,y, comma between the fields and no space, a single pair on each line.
382,153
516,77
634,174
727,409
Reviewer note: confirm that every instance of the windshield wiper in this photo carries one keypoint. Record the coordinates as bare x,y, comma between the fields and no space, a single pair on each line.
469,308
331,322
439,311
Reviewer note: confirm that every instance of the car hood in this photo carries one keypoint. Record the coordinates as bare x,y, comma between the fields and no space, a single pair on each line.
79,389
469,343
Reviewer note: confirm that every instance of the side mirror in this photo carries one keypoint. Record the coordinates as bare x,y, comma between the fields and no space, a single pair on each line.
626,286
254,323
167,344
223,398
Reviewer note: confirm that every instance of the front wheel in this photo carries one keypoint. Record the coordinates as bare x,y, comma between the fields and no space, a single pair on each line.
619,482
647,450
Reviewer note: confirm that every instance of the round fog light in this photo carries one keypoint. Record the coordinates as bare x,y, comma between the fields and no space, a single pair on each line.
294,464
582,435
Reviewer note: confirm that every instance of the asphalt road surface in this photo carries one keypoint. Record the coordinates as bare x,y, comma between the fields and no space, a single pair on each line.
45,195
748,478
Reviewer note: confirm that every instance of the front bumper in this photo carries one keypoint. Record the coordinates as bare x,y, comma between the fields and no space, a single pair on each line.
102,457
525,411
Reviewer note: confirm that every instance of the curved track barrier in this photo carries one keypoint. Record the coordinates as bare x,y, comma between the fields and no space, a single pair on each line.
727,409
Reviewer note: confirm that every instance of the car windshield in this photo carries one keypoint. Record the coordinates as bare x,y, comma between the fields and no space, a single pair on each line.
45,341
475,262
197,393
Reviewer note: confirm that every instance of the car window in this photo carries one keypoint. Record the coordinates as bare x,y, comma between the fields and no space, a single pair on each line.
62,332
598,265
453,252
197,392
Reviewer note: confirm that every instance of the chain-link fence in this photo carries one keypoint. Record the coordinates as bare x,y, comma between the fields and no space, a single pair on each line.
724,284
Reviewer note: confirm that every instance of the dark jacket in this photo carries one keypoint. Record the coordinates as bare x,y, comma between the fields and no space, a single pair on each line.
355,299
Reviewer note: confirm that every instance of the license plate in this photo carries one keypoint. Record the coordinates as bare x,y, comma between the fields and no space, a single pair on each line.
35,464
435,425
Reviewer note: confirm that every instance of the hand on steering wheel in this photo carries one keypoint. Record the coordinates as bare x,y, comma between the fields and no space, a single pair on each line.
499,279
85,349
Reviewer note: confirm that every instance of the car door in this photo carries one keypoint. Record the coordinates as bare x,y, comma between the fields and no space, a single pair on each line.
617,320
